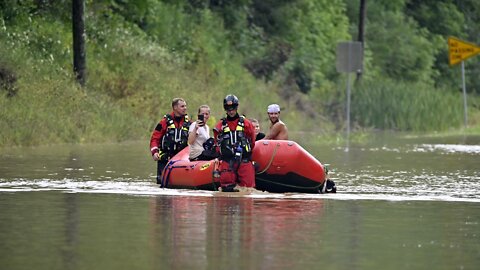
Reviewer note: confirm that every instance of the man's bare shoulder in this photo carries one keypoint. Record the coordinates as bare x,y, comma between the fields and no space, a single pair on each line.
279,125
278,131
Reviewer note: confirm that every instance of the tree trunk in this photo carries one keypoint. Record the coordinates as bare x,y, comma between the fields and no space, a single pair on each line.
361,31
78,20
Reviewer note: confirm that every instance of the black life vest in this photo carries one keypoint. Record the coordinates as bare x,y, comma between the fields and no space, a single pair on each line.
234,144
175,139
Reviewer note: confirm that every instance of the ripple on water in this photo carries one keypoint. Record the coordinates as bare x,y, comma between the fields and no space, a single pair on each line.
452,186
448,148
367,175
356,187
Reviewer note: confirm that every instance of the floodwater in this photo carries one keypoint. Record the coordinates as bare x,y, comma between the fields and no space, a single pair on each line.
402,203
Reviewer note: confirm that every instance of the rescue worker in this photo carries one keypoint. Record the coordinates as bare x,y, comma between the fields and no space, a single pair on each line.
170,135
278,129
235,137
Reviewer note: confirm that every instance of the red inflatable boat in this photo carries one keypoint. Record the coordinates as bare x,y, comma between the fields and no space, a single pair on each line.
281,166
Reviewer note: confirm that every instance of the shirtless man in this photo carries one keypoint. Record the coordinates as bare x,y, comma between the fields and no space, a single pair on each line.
278,129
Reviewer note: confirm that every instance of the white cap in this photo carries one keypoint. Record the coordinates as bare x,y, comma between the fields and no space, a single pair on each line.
273,108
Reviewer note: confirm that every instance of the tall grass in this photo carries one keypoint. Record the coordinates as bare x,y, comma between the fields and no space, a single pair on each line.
131,80
133,74
48,106
405,106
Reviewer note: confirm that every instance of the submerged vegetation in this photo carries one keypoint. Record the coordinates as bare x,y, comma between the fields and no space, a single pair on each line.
142,53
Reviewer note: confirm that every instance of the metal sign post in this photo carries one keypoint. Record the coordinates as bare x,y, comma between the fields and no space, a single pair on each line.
349,59
458,51
464,89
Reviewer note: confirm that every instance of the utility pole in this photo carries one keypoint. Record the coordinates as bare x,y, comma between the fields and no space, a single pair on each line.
361,31
78,23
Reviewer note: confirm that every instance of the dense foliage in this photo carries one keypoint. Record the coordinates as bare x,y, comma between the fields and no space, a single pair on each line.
141,53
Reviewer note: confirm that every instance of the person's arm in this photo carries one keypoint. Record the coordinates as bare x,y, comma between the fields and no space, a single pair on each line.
283,133
216,132
278,132
260,136
250,132
157,135
192,133
272,134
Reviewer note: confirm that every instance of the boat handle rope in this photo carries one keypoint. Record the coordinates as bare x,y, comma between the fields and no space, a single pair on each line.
290,186
171,168
166,175
271,159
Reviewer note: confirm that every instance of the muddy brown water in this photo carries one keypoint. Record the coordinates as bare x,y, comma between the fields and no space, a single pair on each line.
402,203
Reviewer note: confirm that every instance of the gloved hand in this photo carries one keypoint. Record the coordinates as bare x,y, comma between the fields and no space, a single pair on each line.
158,156
209,144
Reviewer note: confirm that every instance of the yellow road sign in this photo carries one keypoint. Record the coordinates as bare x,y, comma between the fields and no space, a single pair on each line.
459,50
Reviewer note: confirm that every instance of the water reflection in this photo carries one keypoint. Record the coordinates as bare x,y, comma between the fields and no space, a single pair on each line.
55,230
178,230
193,232
72,222
402,204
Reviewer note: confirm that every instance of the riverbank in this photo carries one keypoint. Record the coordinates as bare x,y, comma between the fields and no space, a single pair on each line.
133,74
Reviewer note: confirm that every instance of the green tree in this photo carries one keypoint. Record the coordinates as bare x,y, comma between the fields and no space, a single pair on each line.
401,50
449,18
299,38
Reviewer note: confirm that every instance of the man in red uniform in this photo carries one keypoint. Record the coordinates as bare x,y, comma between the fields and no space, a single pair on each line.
170,135
235,137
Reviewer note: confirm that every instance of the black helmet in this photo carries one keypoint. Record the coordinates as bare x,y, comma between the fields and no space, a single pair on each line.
230,102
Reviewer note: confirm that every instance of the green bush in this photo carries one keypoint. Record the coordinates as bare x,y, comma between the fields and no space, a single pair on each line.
143,53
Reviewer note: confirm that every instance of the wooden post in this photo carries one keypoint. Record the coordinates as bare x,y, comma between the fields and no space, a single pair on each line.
78,20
